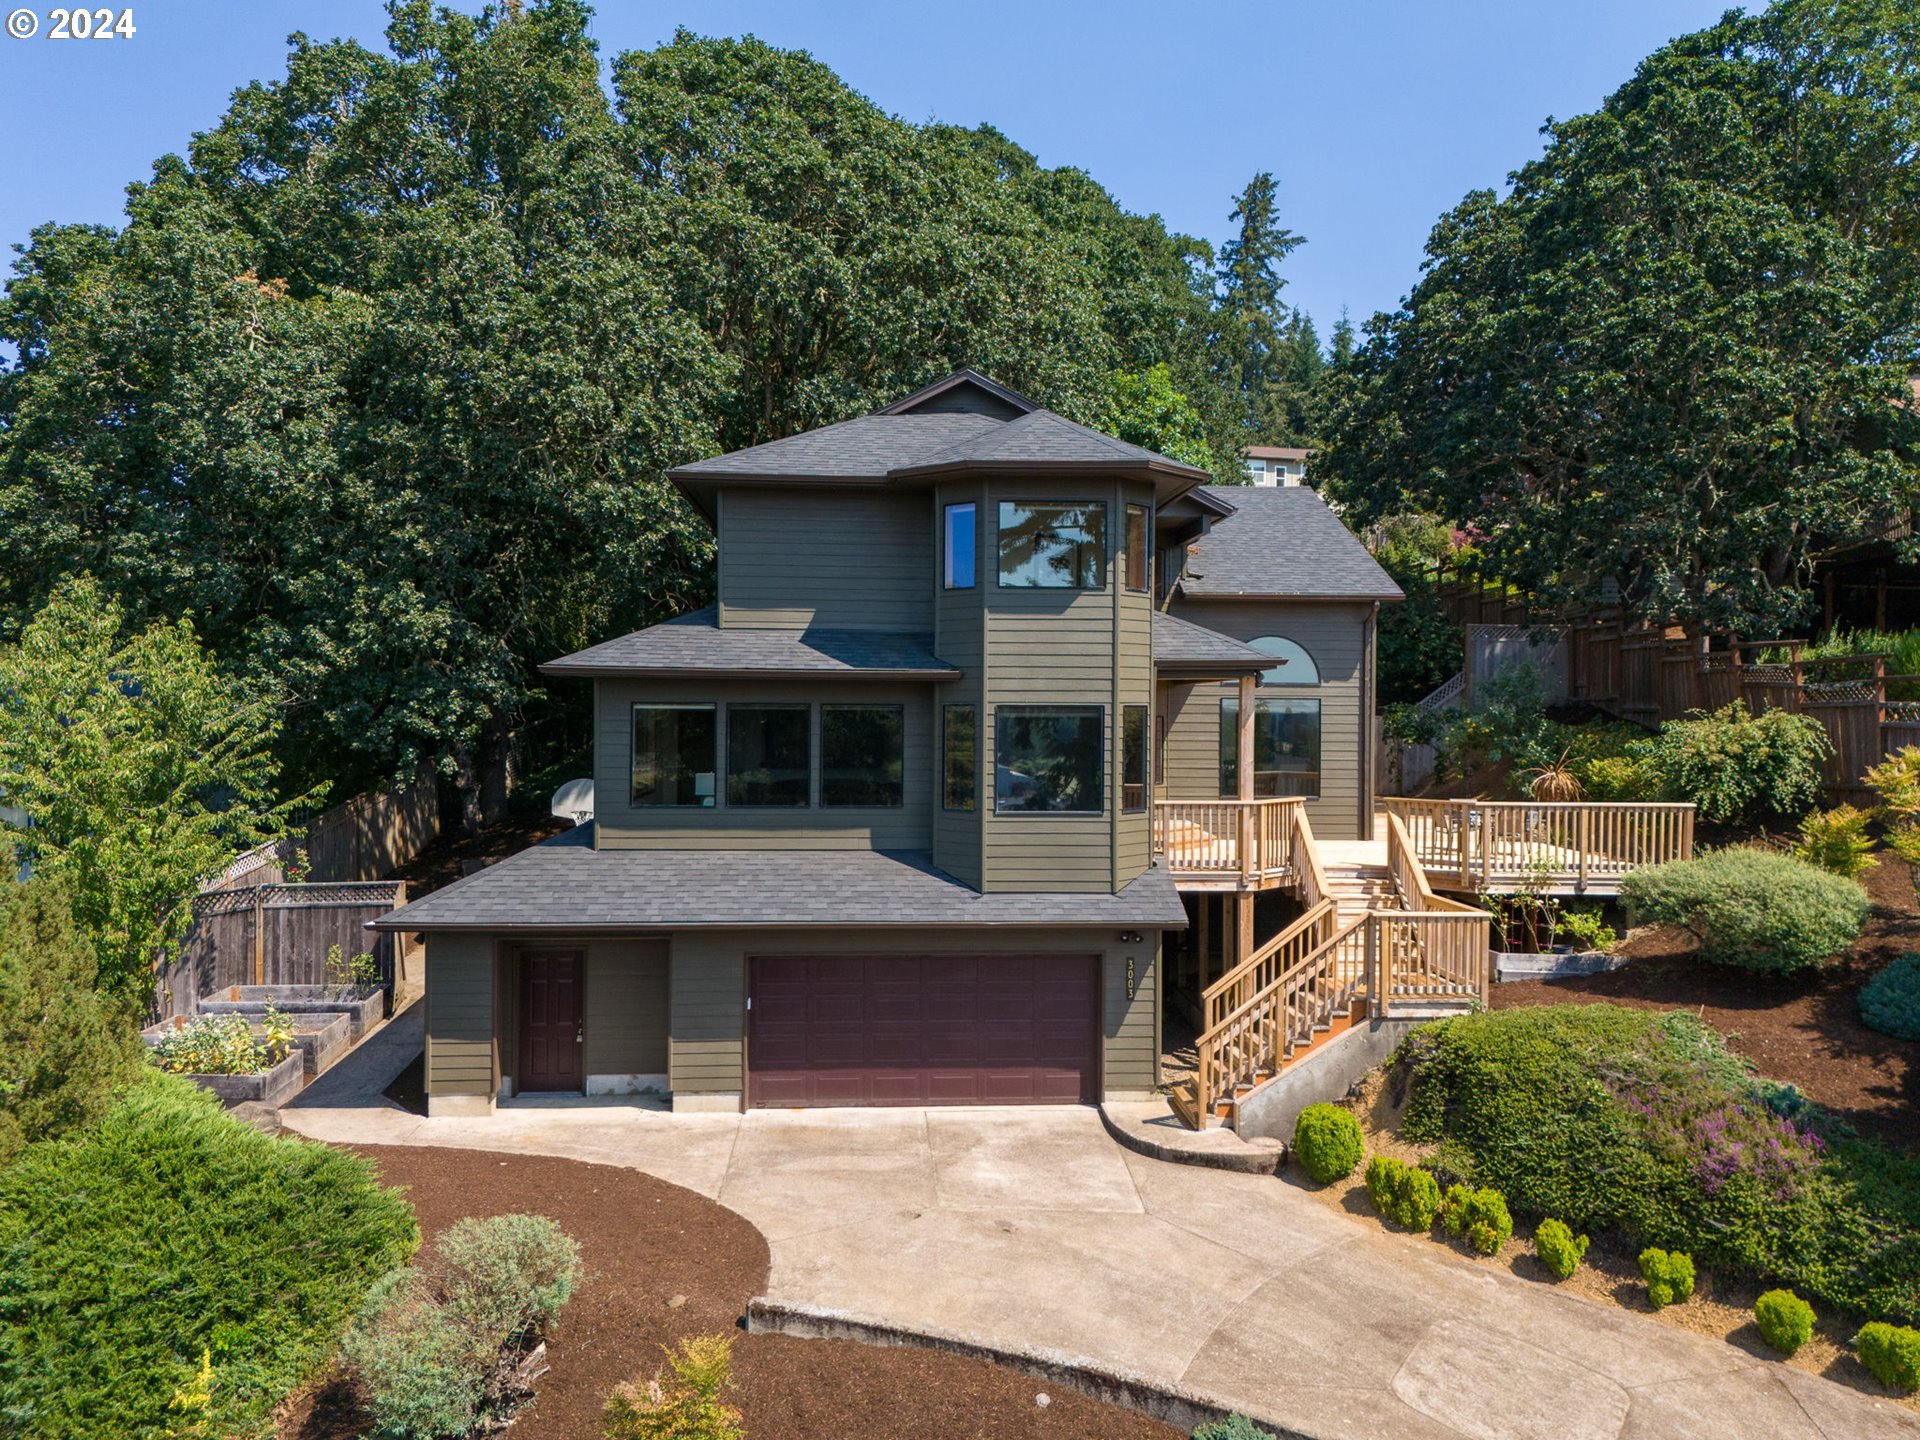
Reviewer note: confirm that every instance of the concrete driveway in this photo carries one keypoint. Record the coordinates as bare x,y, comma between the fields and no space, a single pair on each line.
1032,1228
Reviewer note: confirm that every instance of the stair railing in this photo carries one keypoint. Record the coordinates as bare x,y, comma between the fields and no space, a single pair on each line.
1260,969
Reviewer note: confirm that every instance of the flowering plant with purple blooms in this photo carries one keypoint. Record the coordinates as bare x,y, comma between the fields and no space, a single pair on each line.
1719,1138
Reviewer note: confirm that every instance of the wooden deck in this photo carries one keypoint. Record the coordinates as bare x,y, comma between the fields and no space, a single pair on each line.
1228,845
1572,848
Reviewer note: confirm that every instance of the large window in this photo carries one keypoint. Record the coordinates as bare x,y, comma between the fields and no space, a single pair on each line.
956,538
1047,758
673,754
769,754
1139,575
959,757
862,754
1133,744
1286,748
1050,546
1296,666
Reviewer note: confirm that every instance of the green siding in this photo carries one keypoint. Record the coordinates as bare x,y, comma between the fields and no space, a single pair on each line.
626,1007
709,1013
1335,635
959,639
621,825
460,1015
822,558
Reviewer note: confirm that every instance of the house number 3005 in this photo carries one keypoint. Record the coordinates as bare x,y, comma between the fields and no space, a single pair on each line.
1129,977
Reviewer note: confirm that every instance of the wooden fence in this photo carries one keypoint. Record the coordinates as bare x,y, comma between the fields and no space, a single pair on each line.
277,935
364,838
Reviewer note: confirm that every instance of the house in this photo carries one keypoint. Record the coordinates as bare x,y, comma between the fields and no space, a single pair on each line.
987,703
1276,464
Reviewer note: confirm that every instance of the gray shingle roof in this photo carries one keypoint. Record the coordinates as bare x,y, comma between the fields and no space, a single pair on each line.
1182,644
697,644
1044,438
1282,540
869,447
565,884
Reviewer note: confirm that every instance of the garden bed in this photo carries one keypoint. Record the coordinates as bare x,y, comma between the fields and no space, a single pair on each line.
1804,1030
663,1263
272,1087
363,1009
319,1038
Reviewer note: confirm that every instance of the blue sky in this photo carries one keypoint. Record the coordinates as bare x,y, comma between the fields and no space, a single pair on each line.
1375,115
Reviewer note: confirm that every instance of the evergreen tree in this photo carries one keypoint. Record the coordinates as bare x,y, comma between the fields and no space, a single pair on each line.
1250,322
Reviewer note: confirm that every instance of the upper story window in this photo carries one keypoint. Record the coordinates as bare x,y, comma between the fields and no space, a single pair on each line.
673,754
956,539
1049,758
1052,546
1139,549
1296,666
863,755
769,754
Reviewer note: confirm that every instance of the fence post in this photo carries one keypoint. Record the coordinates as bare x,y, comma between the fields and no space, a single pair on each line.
259,935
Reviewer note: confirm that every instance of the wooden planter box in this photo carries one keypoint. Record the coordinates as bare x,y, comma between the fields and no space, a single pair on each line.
1552,964
363,1010
319,1039
272,1087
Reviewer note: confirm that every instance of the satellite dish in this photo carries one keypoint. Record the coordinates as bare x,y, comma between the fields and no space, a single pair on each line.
574,801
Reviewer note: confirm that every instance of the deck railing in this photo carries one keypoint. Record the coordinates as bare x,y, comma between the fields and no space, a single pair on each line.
1557,845
1240,841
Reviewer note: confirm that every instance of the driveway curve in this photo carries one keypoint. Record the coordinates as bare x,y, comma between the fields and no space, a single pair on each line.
1033,1228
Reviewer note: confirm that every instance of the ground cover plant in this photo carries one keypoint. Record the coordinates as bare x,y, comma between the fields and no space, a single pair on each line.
1751,909
1327,1142
1617,1119
168,1238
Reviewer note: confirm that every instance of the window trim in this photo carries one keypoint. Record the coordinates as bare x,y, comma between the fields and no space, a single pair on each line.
1100,714
1145,585
947,550
1105,558
806,708
1145,757
820,784
972,807
1266,684
633,753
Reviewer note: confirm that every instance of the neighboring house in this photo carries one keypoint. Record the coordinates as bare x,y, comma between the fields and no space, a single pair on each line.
880,825
1276,464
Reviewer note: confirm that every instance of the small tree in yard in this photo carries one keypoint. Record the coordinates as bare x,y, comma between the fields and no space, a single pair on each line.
140,767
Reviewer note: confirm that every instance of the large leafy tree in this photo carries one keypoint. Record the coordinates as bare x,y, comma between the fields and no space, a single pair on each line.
140,770
1672,363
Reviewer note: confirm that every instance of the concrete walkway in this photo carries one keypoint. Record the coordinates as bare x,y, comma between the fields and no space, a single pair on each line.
1033,1228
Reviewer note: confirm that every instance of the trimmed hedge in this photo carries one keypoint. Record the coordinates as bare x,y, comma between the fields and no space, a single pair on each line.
1785,1320
167,1230
1751,909
1891,1354
1619,1119
1327,1141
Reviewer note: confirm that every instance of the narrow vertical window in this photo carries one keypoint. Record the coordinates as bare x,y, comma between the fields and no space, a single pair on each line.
960,758
1139,576
1133,774
959,547
1160,748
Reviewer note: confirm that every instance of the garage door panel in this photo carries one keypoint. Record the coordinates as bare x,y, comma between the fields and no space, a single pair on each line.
922,1030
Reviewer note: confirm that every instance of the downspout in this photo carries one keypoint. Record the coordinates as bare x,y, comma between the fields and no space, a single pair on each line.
1369,722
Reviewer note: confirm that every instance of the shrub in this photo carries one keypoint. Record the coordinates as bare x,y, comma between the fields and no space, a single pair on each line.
1559,1249
437,1349
684,1402
63,1048
1645,1125
1750,909
1897,782
1904,839
1836,841
1736,767
1234,1427
1453,1209
1587,929
1890,1002
166,1230
1327,1141
1669,1276
1479,1216
1785,1320
1402,1193
1618,778
1891,1354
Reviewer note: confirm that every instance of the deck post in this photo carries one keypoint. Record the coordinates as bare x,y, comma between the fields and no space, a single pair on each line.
1465,830
1205,907
1243,928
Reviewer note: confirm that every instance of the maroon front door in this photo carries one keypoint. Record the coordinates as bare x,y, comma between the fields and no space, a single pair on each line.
922,1030
550,1020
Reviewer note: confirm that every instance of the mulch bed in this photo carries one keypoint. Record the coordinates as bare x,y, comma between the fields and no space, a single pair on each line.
663,1263
1804,1030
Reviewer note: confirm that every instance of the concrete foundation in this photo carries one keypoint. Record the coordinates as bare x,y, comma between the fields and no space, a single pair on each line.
458,1107
1324,1076
718,1102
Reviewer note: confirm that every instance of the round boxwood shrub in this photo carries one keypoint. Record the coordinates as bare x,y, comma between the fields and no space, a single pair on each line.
1785,1320
1669,1275
1890,1002
1402,1193
1751,909
1559,1249
1479,1216
1326,1139
1891,1353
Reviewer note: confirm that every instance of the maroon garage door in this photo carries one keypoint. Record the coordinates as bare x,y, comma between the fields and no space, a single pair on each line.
922,1030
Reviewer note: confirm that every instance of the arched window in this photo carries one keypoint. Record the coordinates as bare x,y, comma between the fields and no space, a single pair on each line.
1296,666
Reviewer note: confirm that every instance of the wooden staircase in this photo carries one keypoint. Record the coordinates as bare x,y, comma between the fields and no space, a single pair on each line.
1356,886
